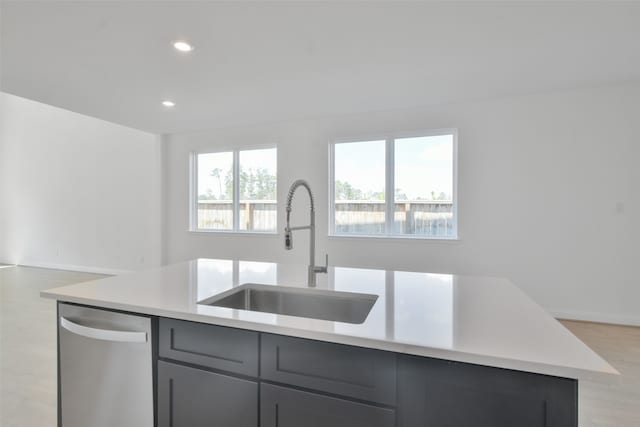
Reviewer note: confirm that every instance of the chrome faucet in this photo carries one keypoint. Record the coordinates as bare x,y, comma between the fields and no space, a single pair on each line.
288,232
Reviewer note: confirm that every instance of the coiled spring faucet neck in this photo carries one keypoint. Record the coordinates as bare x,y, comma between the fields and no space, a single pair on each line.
292,191
288,231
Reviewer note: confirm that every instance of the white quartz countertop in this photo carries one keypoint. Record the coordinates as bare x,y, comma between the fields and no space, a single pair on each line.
481,320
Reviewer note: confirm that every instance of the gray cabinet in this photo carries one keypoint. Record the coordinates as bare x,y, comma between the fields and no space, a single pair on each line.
251,379
226,349
190,397
345,370
285,407
450,394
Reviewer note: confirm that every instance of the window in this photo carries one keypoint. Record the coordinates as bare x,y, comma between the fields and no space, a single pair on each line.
420,168
235,191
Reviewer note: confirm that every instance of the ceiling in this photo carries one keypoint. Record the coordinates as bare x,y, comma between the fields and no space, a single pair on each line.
271,61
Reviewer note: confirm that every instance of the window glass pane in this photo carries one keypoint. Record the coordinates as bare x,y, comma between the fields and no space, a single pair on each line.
258,176
215,191
424,186
359,187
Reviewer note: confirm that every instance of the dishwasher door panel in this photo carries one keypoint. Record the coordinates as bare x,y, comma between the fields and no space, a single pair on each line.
106,373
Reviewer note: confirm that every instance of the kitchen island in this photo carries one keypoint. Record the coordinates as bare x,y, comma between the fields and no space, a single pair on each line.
434,349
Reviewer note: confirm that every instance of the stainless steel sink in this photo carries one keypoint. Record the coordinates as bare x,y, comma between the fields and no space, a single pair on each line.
336,306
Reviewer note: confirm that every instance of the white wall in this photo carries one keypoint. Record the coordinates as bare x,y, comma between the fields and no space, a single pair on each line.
76,192
3,184
548,190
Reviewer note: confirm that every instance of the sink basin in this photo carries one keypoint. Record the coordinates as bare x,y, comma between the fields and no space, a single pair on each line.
336,306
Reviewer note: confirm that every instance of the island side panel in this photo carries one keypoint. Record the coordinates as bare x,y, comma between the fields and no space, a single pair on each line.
451,394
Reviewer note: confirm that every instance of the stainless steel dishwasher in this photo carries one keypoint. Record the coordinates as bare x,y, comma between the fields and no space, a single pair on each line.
106,373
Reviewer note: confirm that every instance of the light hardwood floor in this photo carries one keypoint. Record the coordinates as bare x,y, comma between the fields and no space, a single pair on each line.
606,404
28,356
28,345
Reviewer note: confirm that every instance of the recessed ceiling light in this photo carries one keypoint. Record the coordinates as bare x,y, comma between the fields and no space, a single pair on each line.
168,103
183,46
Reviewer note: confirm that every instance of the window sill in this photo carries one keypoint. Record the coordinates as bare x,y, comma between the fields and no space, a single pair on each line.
398,238
237,233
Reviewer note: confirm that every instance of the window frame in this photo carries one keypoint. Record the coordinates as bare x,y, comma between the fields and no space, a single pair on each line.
193,190
389,172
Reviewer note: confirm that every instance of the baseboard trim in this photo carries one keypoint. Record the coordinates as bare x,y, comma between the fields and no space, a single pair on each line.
78,268
583,316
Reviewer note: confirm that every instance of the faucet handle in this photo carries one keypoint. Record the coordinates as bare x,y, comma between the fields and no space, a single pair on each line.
324,269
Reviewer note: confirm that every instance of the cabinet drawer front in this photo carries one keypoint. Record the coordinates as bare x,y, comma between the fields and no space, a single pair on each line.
217,347
340,369
284,407
189,397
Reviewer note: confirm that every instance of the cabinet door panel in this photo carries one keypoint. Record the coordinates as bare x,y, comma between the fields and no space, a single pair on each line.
217,347
449,394
284,407
189,397
333,368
